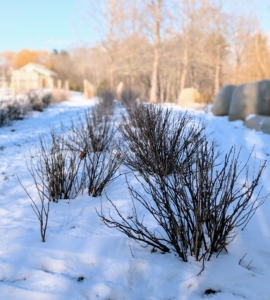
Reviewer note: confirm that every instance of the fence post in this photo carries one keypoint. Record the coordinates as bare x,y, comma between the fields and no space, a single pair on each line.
85,84
119,90
50,83
40,83
66,86
4,86
28,84
88,89
59,84
12,87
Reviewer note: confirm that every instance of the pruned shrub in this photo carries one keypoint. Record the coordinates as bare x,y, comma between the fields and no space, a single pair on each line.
106,102
62,167
101,170
93,131
39,100
103,86
155,140
129,98
57,171
93,139
36,102
13,110
197,210
16,111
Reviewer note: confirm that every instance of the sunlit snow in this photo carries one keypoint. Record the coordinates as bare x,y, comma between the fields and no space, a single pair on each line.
83,259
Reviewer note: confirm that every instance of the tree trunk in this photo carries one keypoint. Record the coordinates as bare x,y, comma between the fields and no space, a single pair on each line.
259,58
153,91
217,69
185,64
111,41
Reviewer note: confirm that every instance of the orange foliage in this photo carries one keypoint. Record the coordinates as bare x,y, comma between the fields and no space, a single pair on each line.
26,56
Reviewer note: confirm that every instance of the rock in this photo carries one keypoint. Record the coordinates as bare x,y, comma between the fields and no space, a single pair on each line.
189,95
266,125
250,98
254,122
222,101
258,123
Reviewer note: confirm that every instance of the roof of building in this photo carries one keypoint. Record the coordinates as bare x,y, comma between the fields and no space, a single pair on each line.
34,67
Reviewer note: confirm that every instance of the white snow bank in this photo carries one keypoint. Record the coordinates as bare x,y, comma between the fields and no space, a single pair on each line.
83,259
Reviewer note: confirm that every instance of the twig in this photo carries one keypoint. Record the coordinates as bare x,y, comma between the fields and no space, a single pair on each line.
239,263
131,251
249,264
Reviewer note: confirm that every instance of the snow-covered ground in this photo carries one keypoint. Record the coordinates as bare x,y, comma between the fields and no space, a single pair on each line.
83,259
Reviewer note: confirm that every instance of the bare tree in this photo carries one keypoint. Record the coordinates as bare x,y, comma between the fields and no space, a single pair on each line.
219,42
158,47
240,35
106,17
111,41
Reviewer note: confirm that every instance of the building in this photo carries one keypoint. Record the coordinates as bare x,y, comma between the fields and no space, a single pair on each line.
32,76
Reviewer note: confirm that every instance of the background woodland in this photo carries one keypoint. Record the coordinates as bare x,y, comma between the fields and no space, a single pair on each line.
159,47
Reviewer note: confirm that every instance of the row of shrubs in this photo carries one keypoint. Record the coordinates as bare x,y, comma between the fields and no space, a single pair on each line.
198,199
12,109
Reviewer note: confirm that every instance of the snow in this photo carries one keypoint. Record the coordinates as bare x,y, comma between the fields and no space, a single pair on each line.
251,116
83,259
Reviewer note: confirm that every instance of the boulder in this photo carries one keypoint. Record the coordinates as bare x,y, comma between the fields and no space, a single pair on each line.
258,123
254,122
222,101
250,98
266,125
188,96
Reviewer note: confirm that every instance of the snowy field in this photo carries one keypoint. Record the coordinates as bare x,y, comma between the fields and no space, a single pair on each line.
83,259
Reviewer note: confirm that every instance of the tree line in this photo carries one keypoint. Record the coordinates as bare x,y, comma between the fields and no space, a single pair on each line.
159,47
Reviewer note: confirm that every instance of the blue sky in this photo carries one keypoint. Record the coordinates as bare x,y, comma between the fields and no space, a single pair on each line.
263,8
58,24
38,24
